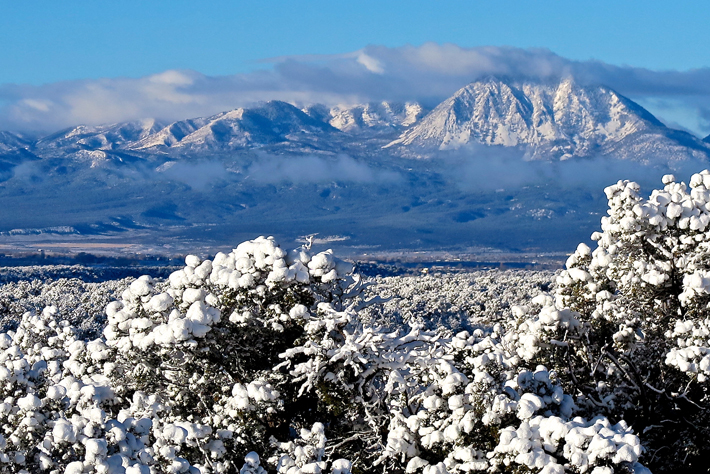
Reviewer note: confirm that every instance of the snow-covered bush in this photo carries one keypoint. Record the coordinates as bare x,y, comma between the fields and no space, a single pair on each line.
80,303
635,342
181,380
206,347
432,401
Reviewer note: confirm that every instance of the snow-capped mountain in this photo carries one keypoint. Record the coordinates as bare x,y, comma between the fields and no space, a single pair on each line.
101,137
382,117
272,123
558,120
170,135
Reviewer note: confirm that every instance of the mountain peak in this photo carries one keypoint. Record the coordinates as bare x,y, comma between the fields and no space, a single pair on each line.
100,137
551,119
270,122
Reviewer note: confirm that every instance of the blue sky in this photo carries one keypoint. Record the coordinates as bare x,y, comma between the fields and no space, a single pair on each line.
48,41
51,51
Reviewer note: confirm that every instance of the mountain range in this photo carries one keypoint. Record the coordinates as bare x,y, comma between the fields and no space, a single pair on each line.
490,166
556,121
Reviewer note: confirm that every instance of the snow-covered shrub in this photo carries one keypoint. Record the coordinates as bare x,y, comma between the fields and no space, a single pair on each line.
635,343
431,401
482,411
80,303
181,380
58,412
206,347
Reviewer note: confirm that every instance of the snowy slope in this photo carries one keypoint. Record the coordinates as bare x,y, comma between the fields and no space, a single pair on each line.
374,117
12,142
168,136
101,137
558,120
271,123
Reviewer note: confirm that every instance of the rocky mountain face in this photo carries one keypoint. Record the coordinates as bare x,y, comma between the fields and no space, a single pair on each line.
557,120
101,137
272,123
375,118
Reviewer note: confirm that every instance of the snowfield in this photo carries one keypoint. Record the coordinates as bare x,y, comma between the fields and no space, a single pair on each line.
265,359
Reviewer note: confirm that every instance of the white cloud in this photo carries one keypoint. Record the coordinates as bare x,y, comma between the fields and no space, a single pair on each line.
428,73
178,78
41,105
316,169
372,64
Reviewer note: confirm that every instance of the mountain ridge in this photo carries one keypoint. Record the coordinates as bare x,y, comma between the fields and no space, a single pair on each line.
560,120
546,120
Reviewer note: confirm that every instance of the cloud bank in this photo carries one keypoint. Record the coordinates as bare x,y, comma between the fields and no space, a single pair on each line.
275,169
477,168
428,73
269,169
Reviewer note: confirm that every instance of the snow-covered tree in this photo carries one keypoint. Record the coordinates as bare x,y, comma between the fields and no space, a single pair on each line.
181,380
635,342
206,347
